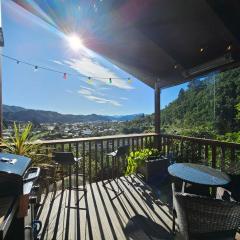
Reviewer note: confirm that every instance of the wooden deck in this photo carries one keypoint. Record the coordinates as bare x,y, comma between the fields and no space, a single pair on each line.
135,214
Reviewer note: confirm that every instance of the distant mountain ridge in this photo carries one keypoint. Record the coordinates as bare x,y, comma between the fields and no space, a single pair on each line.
15,113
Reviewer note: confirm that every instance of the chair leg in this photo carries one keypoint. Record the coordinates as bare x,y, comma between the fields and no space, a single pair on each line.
77,188
174,221
114,177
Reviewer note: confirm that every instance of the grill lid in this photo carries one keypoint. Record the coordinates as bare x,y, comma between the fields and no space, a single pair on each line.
13,164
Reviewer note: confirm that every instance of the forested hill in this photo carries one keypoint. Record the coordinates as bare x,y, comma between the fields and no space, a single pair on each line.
195,108
194,113
15,113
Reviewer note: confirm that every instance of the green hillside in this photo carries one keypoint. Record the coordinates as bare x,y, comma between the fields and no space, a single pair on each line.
207,108
199,108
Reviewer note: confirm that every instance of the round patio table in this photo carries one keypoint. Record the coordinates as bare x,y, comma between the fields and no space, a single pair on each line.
198,174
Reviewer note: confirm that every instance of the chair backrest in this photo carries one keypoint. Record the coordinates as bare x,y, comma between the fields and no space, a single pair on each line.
63,158
122,151
234,186
202,215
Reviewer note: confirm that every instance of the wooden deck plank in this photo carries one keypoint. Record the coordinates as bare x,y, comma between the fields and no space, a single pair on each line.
114,225
97,216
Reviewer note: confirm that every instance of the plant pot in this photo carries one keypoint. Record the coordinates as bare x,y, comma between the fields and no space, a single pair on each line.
155,169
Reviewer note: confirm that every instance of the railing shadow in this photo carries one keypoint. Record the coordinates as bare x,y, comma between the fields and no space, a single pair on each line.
148,208
46,223
58,216
144,225
142,228
134,214
106,200
160,195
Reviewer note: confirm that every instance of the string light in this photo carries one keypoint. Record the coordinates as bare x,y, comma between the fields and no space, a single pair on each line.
89,80
65,74
229,47
201,50
129,80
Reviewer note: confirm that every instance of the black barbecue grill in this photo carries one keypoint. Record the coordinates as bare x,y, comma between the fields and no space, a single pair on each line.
16,181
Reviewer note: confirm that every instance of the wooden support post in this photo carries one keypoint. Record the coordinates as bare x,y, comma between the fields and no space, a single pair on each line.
1,46
157,115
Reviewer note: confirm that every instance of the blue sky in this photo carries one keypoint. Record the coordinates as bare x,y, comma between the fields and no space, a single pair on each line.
30,39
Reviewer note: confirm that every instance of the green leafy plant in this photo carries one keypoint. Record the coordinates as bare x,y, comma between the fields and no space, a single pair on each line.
137,159
21,142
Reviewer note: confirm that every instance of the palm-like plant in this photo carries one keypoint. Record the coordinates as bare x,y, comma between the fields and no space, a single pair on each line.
21,142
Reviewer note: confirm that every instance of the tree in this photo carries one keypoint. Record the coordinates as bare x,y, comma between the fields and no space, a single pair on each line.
181,93
238,111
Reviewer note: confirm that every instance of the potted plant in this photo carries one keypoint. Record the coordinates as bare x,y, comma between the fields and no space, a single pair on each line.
149,162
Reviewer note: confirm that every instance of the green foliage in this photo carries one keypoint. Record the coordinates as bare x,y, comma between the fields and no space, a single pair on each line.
21,141
232,136
194,107
238,111
137,159
139,125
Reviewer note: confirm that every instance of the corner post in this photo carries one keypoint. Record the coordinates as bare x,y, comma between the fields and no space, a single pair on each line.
1,47
157,114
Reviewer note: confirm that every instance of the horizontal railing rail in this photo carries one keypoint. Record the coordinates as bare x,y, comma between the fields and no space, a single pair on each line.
217,154
96,164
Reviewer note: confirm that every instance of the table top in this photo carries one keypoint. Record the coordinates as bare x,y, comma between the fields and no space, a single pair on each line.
198,174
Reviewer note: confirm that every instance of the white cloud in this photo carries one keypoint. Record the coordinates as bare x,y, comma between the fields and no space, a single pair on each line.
103,100
87,88
57,62
104,88
87,66
69,91
91,95
123,98
84,92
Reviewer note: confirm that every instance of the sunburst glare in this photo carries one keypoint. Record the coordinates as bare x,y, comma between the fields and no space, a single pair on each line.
75,42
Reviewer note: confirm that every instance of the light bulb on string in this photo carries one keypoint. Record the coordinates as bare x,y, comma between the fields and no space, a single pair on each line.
89,80
229,48
64,74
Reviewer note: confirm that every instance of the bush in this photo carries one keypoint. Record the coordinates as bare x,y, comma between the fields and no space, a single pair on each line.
137,159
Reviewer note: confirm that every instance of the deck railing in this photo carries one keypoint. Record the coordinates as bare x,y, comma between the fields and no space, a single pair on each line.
96,165
217,154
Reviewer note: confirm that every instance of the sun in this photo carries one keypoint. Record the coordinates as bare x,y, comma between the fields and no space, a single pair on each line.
75,42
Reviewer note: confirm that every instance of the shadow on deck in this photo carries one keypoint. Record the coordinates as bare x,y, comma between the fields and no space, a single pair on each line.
138,213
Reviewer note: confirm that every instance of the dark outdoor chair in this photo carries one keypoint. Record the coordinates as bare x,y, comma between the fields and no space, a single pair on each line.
121,152
67,159
204,218
234,187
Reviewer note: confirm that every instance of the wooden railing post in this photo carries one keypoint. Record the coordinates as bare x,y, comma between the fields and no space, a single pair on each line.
213,156
222,153
157,115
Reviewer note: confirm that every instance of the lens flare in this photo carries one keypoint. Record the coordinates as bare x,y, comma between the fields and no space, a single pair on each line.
75,42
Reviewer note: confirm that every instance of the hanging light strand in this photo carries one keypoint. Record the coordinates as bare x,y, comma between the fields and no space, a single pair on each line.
64,74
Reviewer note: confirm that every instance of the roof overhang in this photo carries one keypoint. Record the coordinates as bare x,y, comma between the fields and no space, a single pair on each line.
168,41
